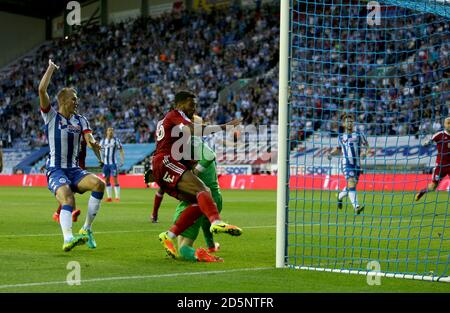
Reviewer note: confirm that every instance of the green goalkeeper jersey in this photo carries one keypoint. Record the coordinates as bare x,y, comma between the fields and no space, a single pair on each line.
208,175
207,164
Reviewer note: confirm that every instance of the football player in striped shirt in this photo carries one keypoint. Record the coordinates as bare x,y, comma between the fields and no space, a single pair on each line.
110,145
64,131
351,145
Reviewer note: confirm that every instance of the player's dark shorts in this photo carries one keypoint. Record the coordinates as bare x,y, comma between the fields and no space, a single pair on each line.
352,172
167,172
57,177
440,172
110,170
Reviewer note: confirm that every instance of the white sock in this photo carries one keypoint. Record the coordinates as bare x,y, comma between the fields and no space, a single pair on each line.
117,191
216,222
93,206
343,193
65,220
353,198
108,191
171,235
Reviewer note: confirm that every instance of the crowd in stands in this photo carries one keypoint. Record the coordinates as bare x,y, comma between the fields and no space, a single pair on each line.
396,80
126,74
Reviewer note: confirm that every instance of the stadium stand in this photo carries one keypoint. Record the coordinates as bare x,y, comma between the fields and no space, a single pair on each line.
27,163
396,100
12,157
130,80
137,66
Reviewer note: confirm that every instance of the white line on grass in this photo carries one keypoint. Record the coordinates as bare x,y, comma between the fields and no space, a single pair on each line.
392,221
98,232
137,277
115,232
334,265
405,220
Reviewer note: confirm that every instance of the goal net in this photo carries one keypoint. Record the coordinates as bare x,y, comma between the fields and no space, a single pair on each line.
347,193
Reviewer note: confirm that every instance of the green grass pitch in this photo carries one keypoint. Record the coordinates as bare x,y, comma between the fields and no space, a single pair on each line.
129,257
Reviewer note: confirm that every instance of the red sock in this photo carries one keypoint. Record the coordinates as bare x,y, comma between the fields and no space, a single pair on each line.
208,206
186,219
59,209
157,203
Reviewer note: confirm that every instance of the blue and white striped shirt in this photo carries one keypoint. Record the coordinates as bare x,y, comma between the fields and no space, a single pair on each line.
351,145
64,137
109,149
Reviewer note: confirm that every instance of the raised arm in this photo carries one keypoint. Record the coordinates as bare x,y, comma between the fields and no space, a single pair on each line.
43,85
199,125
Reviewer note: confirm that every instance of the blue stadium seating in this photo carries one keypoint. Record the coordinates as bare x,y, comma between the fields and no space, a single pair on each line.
27,163
12,157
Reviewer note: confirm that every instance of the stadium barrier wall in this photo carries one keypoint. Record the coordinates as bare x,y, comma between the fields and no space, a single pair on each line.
374,182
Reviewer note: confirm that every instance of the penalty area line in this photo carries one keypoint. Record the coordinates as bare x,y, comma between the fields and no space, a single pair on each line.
116,232
313,224
136,277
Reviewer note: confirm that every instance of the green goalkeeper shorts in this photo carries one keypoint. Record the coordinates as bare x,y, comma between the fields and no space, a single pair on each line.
192,232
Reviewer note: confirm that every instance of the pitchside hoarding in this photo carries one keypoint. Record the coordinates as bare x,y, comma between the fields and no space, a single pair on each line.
234,169
368,182
401,151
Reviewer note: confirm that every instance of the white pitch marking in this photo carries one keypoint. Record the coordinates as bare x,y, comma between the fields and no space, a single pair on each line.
115,231
404,220
137,277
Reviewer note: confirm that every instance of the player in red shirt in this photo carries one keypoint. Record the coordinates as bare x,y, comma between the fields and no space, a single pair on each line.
442,168
172,172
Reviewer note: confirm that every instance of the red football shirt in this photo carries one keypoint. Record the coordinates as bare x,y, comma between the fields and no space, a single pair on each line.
164,138
442,140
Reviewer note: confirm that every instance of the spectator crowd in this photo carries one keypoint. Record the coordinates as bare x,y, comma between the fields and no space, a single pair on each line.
126,74
394,77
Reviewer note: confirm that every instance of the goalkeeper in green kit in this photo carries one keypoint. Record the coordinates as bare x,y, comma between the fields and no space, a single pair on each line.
206,171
